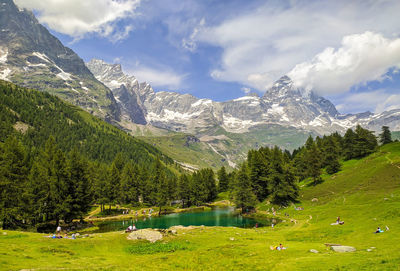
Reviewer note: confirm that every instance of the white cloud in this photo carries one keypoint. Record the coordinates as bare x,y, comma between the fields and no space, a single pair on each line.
190,43
158,77
260,45
78,18
376,101
361,58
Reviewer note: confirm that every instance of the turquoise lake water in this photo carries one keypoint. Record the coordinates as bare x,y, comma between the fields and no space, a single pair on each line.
225,217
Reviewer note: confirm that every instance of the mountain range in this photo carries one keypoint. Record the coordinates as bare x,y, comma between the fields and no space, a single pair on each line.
32,57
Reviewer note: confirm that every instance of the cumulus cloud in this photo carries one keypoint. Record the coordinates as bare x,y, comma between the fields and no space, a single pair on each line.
376,101
159,77
261,45
361,58
78,18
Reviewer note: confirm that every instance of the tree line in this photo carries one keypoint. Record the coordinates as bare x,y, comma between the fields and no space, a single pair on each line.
273,174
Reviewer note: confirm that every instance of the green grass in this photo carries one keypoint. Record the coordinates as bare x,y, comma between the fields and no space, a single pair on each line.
365,194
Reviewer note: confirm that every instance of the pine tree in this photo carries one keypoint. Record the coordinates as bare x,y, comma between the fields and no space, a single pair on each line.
243,194
331,151
386,136
313,161
13,178
184,190
79,194
258,173
223,181
349,141
129,187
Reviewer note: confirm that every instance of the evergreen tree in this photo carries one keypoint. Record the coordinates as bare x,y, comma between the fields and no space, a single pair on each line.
223,181
78,196
331,151
349,141
130,184
386,136
258,173
13,178
365,142
184,190
243,194
313,161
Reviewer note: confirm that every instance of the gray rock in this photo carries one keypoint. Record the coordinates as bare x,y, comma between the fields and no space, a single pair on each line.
314,251
343,248
145,234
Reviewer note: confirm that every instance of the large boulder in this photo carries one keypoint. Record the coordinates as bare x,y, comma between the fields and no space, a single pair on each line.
343,248
145,234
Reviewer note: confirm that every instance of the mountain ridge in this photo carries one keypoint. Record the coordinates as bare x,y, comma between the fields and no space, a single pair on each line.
282,104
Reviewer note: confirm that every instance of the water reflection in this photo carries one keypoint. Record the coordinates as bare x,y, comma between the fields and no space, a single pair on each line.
225,217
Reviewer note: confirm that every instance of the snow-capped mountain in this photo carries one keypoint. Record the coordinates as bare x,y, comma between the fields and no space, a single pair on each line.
31,56
282,105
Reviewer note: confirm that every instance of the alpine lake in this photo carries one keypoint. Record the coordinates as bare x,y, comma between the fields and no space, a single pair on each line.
223,217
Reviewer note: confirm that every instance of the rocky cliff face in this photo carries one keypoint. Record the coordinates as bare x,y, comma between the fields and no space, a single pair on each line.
30,56
281,105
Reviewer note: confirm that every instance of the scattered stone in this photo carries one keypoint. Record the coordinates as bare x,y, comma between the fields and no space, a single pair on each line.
4,233
314,251
343,248
314,200
369,250
146,234
232,239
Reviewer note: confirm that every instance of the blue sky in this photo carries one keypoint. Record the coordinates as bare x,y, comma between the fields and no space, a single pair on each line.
348,51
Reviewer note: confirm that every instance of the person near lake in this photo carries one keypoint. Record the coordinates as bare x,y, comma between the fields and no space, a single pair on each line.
129,229
256,226
338,221
58,231
134,228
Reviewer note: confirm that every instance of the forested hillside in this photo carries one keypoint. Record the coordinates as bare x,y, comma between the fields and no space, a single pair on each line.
56,160
33,116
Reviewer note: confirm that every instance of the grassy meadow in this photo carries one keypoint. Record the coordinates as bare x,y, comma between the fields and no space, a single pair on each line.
365,194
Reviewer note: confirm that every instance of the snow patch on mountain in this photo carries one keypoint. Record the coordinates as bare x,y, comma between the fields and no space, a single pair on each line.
3,55
4,74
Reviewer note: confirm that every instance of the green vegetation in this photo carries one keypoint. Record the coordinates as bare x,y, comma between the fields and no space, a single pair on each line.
54,162
187,149
365,194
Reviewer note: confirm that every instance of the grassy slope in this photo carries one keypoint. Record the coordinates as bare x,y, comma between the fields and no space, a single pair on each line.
197,154
366,194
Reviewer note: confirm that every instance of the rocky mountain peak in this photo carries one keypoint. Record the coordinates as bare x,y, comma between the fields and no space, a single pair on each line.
32,57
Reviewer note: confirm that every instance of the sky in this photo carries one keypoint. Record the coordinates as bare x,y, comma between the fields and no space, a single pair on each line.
346,50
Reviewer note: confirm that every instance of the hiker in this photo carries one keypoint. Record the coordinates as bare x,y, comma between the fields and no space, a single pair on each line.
378,230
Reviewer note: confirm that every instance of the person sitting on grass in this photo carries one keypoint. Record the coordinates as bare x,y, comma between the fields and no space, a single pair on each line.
129,229
378,230
280,247
338,222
